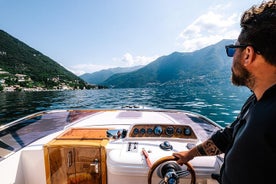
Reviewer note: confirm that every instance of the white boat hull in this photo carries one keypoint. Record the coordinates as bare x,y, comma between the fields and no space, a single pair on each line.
123,157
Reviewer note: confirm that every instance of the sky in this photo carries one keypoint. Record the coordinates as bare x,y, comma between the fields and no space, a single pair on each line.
86,36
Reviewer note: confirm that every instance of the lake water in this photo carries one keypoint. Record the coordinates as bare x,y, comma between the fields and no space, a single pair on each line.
221,105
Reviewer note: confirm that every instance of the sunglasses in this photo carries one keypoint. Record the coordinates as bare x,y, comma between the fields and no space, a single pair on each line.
231,49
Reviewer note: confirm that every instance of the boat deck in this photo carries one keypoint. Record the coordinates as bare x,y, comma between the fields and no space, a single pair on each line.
30,144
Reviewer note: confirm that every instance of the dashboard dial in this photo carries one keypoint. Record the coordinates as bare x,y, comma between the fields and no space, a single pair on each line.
135,131
149,131
158,130
187,131
178,131
143,131
170,131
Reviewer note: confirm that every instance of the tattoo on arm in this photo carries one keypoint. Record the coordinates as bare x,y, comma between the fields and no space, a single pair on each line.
207,148
200,150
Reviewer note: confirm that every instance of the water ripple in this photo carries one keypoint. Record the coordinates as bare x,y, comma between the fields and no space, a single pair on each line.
221,106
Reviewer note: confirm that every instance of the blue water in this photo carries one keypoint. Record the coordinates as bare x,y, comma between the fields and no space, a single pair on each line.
221,105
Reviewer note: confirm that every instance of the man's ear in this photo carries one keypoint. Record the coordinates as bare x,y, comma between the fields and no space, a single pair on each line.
249,55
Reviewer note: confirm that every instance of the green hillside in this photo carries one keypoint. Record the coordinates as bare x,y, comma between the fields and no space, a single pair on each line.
206,66
23,66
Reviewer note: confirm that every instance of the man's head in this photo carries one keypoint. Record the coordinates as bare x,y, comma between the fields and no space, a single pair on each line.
259,29
256,41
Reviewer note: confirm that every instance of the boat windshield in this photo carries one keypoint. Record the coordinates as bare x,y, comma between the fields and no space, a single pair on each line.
22,132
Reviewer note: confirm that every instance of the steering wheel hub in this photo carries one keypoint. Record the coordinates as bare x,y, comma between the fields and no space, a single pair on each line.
171,172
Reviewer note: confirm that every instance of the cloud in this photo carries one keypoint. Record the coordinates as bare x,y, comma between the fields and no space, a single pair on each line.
208,29
128,60
87,68
214,25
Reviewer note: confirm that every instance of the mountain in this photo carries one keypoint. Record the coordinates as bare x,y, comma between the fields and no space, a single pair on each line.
206,66
100,76
209,65
21,65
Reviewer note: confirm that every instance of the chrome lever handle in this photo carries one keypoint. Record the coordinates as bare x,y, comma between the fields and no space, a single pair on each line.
95,164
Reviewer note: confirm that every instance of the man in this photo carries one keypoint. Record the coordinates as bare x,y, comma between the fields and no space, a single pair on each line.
249,143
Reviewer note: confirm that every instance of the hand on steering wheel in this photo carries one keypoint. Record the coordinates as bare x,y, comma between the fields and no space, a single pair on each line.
178,174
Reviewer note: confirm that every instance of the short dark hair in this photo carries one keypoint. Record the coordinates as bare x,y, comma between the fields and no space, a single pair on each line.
259,29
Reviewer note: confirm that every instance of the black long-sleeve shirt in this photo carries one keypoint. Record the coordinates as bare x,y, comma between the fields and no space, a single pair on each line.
249,143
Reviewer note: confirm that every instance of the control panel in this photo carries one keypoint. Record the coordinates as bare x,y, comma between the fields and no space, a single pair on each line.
162,130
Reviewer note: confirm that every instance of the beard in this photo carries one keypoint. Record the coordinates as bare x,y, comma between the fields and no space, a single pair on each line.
241,76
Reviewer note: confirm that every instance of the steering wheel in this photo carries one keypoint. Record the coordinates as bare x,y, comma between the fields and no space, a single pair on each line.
178,174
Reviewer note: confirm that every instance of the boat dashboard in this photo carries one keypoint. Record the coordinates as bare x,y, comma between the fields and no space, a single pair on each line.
162,130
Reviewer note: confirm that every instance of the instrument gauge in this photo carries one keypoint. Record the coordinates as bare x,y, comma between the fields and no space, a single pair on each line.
158,130
149,131
178,131
143,131
169,130
187,131
135,131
